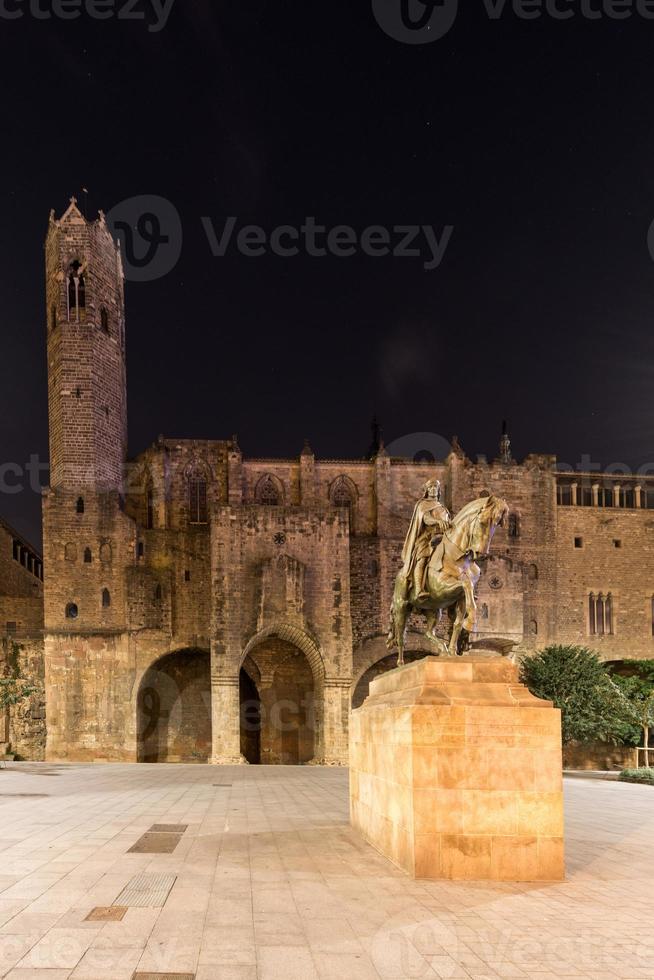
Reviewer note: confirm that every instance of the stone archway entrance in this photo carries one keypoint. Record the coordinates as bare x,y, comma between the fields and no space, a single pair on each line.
174,709
280,676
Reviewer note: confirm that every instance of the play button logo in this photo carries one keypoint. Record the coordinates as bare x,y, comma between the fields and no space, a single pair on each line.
415,21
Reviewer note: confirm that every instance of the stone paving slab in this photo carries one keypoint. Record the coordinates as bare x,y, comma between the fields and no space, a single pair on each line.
271,882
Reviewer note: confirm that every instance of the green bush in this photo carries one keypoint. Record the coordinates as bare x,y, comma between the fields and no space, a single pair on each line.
593,708
637,776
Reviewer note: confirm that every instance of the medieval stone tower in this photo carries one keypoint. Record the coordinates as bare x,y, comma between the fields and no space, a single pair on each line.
86,354
84,528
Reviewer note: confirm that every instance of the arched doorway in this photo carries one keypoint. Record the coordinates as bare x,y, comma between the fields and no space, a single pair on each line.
250,717
285,689
174,709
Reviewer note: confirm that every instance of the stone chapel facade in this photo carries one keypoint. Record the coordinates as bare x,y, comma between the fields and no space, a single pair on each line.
203,606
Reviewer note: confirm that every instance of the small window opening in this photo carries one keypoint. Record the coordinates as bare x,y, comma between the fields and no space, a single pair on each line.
79,507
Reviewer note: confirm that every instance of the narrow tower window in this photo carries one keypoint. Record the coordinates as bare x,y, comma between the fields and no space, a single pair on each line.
88,557
149,517
76,290
106,598
104,320
79,506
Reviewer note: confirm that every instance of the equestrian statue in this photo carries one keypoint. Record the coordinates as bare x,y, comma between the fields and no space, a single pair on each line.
440,569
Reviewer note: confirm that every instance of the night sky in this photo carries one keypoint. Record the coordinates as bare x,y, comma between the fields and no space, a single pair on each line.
534,139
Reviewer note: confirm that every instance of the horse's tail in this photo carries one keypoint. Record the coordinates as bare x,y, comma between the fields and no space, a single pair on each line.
391,639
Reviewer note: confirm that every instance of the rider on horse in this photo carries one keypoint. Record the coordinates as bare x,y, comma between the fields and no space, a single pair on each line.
430,518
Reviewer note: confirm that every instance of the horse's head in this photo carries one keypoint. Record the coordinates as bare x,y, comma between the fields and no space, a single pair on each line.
478,520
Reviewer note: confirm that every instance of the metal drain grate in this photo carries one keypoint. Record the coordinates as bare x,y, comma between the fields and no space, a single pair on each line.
167,828
114,913
147,890
155,844
163,976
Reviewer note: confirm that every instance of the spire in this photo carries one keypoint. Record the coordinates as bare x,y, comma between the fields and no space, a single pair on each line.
377,439
457,448
307,450
505,445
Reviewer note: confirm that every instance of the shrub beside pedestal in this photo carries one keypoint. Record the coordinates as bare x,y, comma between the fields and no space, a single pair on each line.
456,772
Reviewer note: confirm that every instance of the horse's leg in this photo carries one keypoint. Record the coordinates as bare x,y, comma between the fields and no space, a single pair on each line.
432,618
470,617
399,615
457,627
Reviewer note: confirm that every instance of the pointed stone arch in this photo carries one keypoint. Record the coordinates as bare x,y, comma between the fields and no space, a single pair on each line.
299,638
269,490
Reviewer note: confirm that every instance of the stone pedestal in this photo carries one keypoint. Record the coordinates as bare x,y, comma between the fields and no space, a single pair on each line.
455,772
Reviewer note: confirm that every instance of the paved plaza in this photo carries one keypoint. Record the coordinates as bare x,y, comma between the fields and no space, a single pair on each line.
269,881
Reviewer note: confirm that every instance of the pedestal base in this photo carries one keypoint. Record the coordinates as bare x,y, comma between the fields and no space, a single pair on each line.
456,772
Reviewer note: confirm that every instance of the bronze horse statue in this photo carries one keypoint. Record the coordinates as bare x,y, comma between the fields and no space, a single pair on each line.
452,574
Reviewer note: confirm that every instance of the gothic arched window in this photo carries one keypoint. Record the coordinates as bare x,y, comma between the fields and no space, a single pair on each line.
88,557
268,491
79,506
106,598
197,493
343,493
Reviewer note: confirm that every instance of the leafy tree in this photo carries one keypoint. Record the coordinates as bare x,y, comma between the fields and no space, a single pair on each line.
14,687
638,688
592,706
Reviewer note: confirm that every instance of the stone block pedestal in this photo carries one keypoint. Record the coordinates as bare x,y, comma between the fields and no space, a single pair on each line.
456,772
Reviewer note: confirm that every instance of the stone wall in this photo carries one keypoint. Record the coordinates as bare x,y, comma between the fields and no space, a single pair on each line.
588,561
599,756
